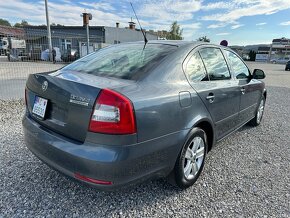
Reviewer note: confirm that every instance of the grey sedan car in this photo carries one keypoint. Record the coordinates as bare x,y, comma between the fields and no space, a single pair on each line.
128,113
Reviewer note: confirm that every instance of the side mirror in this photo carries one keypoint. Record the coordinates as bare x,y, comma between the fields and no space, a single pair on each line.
258,74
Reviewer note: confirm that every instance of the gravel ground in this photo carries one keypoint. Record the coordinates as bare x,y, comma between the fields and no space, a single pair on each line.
246,175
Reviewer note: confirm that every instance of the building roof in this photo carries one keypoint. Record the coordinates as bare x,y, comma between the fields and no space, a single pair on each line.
43,27
11,31
281,40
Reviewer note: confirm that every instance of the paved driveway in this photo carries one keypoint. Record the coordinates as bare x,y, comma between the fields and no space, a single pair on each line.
13,76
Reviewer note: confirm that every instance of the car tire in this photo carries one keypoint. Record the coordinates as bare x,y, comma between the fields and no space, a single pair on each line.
191,159
259,114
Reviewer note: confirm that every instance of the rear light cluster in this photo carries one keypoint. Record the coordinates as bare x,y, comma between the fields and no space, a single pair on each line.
113,114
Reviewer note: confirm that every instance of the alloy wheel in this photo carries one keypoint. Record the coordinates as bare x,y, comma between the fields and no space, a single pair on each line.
194,157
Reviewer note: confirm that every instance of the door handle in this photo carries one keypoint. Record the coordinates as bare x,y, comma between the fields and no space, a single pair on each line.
210,97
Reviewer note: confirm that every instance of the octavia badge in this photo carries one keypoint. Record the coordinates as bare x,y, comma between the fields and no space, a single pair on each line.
44,85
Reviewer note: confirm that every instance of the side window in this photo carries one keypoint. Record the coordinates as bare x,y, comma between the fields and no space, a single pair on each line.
215,64
240,69
195,70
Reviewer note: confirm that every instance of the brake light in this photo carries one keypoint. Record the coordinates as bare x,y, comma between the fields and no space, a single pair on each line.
113,114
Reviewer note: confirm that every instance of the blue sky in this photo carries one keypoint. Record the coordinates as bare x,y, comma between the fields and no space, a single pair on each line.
241,22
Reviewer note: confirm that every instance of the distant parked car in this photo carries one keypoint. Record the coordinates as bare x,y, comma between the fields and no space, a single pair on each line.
70,55
287,67
280,60
127,112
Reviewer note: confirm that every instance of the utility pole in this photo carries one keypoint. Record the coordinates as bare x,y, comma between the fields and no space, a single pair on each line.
88,38
86,18
48,31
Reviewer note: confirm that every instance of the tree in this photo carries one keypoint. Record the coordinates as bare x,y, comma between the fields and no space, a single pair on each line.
4,22
252,55
22,24
203,39
175,32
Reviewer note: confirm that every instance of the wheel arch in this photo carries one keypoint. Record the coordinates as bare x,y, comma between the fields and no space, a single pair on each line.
207,126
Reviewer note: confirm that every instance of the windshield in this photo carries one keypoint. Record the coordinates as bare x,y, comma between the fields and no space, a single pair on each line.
127,61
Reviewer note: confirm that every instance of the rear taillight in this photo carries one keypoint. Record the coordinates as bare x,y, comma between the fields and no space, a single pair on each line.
113,114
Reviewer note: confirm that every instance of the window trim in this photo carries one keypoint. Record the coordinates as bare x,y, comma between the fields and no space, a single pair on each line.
197,48
184,65
227,64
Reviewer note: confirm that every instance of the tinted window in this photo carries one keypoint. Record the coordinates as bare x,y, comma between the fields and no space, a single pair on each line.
195,70
240,70
126,61
215,64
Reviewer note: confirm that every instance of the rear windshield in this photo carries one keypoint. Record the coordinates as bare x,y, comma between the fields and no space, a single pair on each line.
125,61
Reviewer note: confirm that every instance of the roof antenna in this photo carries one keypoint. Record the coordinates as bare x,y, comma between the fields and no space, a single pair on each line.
145,39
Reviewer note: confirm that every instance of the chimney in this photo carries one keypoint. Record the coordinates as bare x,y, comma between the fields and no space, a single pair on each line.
131,25
117,25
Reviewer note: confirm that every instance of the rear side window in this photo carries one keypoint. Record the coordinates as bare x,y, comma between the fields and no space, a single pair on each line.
195,70
240,70
215,64
125,61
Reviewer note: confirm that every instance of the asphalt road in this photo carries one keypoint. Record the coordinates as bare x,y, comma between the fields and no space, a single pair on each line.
13,76
246,175
275,73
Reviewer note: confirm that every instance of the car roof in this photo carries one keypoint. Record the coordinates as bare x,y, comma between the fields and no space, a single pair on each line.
172,42
177,43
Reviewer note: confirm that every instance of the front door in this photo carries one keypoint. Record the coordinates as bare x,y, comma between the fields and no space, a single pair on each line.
249,89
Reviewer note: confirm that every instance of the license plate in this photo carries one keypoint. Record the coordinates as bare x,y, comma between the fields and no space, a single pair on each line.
39,106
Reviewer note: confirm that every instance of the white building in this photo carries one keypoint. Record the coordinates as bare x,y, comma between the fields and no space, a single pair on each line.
280,48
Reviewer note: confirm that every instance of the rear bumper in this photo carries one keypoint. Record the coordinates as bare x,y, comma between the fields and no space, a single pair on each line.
120,165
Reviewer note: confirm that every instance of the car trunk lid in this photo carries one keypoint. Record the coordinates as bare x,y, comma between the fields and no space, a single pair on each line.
70,100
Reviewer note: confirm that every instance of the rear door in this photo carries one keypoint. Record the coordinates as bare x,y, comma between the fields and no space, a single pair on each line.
208,74
250,90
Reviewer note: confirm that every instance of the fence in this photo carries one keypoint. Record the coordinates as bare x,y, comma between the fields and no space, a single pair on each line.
25,51
31,44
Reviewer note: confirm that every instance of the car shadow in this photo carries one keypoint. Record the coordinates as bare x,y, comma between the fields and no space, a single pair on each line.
245,128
